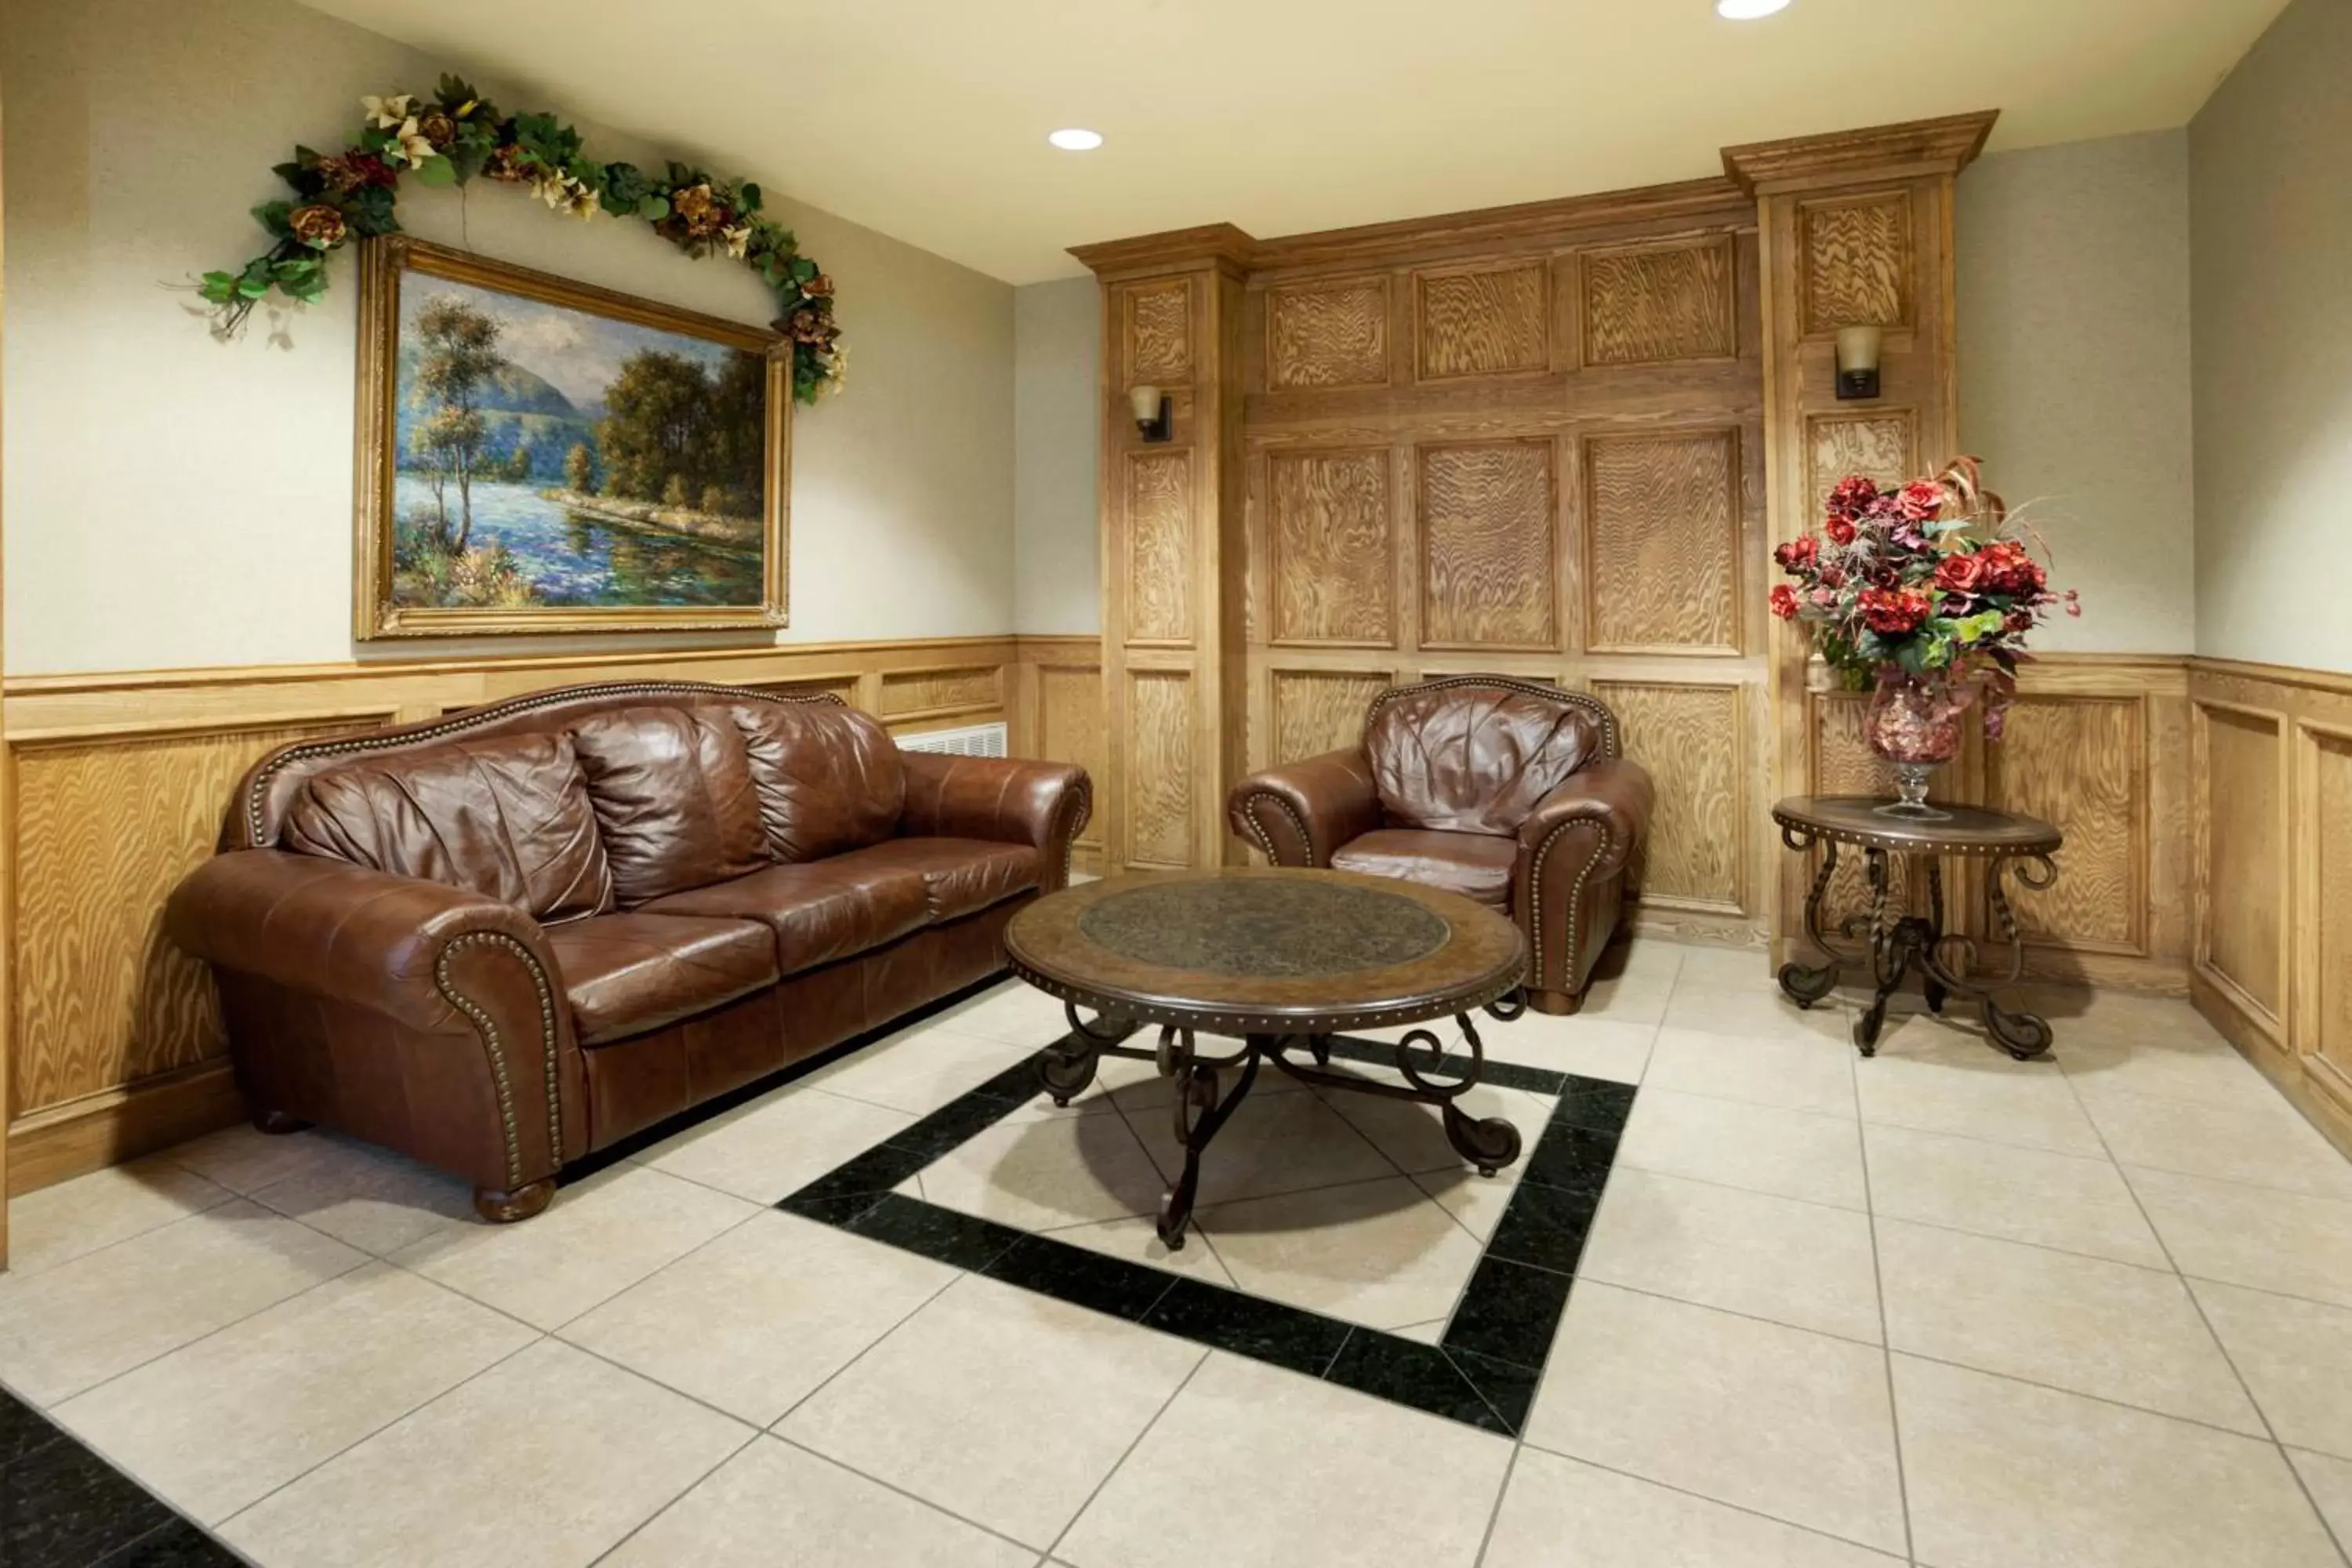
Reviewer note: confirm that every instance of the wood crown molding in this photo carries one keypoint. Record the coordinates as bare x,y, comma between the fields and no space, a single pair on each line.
2277,674
1210,245
1944,146
1698,201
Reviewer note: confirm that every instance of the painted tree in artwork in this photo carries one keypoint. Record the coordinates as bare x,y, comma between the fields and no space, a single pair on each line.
457,361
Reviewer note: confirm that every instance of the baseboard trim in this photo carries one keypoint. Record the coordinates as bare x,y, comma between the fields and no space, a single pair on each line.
73,1137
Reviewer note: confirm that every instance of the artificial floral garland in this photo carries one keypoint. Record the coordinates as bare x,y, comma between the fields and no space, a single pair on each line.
452,137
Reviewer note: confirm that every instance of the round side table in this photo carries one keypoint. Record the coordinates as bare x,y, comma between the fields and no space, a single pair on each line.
2007,843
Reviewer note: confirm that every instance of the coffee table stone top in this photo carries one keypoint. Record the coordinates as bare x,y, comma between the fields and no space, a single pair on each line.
1266,950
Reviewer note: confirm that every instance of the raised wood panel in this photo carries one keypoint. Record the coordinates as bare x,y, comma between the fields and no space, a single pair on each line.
1481,320
2245,867
1843,763
1159,546
1332,333
1882,447
1688,737
1661,542
2080,763
1318,710
1650,303
1856,258
1333,570
2329,946
1159,768
105,827
916,692
1487,558
1070,728
1159,324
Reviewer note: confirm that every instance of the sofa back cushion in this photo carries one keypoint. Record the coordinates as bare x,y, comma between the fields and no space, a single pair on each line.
1474,758
672,792
506,816
828,777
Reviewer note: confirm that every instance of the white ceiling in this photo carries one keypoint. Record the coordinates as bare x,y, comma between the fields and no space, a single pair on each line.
926,119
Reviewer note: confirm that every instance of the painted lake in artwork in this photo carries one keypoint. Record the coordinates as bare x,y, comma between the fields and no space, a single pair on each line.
572,558
548,456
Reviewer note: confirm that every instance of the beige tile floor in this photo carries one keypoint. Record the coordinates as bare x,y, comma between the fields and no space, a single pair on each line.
1935,1308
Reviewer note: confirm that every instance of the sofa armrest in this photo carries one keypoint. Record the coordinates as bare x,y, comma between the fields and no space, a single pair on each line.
1612,795
386,943
1300,813
1010,802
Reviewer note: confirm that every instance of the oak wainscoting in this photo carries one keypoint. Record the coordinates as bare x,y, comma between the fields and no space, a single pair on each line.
117,786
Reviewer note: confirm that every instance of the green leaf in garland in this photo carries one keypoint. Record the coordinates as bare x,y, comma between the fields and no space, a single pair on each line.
653,209
436,170
804,270
272,216
750,197
217,287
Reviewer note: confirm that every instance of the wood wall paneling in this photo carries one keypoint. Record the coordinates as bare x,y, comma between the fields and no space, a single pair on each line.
1689,738
934,693
2242,874
1648,304
1881,445
1318,710
1491,319
2082,764
2325,958
1489,564
1333,566
1662,537
1159,546
1857,260
1160,795
1333,332
1158,334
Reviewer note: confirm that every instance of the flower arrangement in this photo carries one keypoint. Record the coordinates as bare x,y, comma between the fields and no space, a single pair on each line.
455,134
1928,585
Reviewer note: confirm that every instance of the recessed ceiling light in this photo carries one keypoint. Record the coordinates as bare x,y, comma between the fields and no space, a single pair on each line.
1748,10
1076,140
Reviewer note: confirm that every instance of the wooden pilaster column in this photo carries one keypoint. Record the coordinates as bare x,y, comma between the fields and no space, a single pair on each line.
1173,556
1856,229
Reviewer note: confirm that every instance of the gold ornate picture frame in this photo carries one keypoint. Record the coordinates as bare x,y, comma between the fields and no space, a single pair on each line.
536,454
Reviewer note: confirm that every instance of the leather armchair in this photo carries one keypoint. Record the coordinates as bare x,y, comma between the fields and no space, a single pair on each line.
1504,790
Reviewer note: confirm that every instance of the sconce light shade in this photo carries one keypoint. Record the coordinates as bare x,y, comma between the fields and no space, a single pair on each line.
1857,361
1150,406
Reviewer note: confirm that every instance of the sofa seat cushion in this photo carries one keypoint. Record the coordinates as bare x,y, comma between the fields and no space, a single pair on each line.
1476,864
626,973
820,910
960,875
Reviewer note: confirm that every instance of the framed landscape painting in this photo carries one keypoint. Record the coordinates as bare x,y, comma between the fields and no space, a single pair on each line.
541,455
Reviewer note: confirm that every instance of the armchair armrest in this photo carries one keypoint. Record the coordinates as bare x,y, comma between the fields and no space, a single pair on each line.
1010,802
331,929
1300,813
1612,795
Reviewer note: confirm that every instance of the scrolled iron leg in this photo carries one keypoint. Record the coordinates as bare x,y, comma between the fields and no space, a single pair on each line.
1933,987
1489,1142
1198,1112
1887,958
1803,983
1068,1067
2023,1034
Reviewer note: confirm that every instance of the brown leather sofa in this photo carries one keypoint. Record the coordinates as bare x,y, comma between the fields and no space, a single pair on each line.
517,934
1510,793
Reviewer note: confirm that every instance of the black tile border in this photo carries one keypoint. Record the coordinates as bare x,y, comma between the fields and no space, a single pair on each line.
1484,1372
62,1506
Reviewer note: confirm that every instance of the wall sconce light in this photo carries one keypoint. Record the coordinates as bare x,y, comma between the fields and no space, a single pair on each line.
1152,414
1857,361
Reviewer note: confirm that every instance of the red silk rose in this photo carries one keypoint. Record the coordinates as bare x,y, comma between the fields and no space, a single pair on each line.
1962,573
1798,553
1920,500
1784,601
1840,529
1895,610
1851,494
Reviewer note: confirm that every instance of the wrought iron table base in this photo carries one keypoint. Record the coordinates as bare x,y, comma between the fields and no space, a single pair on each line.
1203,1105
1897,946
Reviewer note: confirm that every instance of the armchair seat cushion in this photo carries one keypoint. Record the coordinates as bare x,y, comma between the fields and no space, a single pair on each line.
819,911
626,973
1476,864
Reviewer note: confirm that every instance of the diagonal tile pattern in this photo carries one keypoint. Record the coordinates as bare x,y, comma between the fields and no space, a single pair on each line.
1825,1313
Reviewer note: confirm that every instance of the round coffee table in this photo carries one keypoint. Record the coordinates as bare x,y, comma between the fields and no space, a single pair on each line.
2004,840
1284,959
